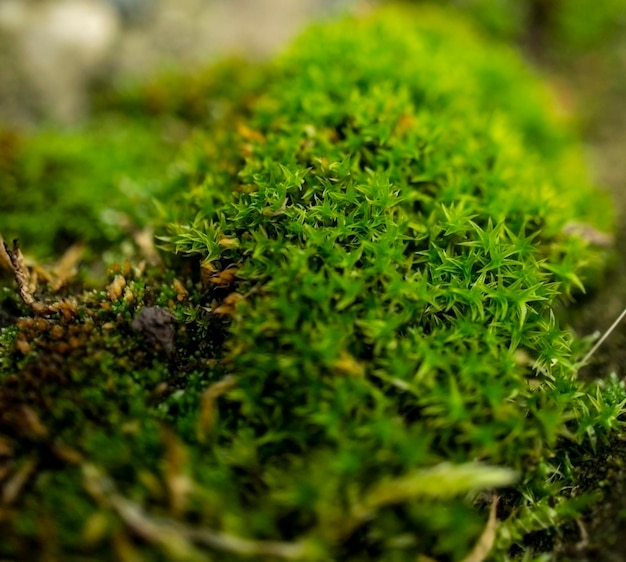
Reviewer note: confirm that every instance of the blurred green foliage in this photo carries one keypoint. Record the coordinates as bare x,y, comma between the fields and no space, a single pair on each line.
564,26
89,184
94,183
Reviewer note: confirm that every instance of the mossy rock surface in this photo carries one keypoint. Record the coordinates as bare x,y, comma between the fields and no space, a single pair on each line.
362,342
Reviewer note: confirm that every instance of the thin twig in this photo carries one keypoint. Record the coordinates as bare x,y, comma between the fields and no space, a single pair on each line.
583,543
24,289
20,271
485,543
603,338
208,407
5,260
13,488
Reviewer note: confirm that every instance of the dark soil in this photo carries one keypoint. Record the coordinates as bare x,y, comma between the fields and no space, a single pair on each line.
599,82
601,536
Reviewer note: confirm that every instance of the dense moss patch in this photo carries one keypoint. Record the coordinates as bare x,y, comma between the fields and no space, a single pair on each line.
363,343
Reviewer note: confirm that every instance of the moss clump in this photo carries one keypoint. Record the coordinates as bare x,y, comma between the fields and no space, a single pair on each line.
368,347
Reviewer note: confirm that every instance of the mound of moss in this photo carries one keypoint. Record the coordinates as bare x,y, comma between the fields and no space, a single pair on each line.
359,346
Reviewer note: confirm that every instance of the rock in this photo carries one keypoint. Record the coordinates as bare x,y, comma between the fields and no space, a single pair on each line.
55,49
52,50
158,326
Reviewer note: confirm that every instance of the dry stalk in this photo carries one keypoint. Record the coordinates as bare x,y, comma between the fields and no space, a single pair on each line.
25,289
5,260
208,407
13,488
485,543
20,271
165,531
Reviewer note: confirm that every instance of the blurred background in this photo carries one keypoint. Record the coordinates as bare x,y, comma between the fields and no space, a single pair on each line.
53,52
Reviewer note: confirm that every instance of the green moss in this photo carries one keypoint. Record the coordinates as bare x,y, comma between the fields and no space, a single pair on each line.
565,27
102,175
365,343
398,221
85,175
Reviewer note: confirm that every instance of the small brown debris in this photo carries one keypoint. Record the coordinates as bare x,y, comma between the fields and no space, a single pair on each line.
25,287
208,410
116,288
160,389
33,423
23,346
219,278
68,309
181,292
228,304
67,267
207,270
129,296
157,324
66,453
41,324
12,489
